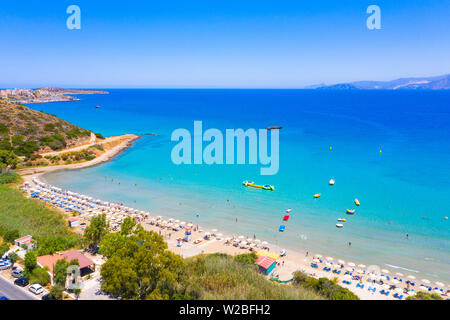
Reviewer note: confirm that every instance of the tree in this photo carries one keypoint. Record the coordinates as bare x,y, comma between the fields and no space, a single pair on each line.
142,267
11,235
56,292
127,226
111,243
95,232
4,247
8,159
60,272
30,261
13,257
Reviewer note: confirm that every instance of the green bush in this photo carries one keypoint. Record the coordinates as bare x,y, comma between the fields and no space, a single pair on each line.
39,275
4,247
246,258
425,296
11,235
323,286
10,177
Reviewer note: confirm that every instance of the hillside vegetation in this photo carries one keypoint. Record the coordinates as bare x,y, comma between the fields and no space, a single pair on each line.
24,131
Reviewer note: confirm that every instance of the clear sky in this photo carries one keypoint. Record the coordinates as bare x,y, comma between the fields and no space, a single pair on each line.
220,44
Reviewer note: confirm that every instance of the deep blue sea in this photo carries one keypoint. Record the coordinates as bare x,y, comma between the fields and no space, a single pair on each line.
405,189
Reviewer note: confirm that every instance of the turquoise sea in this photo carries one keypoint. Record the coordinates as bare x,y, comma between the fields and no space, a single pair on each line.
405,189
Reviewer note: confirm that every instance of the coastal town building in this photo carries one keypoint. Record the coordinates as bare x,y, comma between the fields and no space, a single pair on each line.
25,242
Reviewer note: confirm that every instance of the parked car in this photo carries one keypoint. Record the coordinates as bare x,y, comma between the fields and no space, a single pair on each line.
36,288
22,282
48,297
4,298
17,273
5,264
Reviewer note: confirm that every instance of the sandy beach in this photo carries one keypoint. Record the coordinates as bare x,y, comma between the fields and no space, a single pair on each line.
286,266
121,143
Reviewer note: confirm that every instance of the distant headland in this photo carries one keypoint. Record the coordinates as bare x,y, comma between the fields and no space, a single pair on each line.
420,83
44,95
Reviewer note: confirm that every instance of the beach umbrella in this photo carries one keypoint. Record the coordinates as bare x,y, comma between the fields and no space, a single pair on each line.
422,288
361,265
385,271
264,242
349,269
257,240
214,230
351,264
241,237
318,256
190,225
399,290
341,261
329,258
252,245
219,235
182,223
176,221
440,284
411,277
399,274
243,242
360,271
385,286
426,281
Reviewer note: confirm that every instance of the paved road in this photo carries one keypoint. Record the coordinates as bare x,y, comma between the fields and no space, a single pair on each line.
13,292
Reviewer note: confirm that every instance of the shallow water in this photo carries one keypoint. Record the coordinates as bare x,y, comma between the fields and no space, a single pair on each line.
403,190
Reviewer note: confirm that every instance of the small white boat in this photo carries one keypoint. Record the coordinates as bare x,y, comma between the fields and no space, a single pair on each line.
282,252
339,225
288,210
331,183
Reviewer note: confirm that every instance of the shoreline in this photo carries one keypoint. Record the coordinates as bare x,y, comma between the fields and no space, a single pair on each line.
105,157
296,260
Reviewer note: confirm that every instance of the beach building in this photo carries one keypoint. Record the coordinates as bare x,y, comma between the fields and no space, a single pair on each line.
25,242
86,265
265,264
73,222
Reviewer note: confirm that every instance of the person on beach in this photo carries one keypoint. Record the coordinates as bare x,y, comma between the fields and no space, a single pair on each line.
407,236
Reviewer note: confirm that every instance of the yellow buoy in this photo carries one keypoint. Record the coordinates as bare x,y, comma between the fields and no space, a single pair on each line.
446,218
331,148
380,151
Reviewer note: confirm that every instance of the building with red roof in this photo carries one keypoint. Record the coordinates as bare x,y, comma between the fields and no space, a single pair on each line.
265,264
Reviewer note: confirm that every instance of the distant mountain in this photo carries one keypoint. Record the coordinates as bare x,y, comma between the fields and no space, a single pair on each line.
426,83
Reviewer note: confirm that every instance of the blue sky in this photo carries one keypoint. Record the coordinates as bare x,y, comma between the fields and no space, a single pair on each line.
220,44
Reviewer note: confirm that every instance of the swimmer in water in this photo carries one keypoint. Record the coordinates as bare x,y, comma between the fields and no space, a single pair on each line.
407,236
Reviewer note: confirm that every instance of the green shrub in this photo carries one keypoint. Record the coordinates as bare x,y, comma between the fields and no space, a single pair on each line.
246,258
4,247
39,275
11,235
323,286
425,296
10,177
